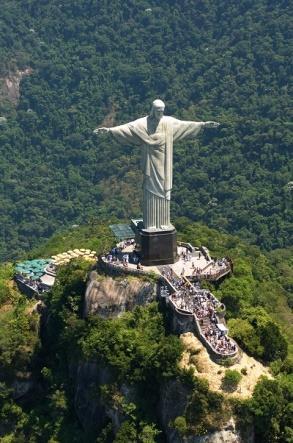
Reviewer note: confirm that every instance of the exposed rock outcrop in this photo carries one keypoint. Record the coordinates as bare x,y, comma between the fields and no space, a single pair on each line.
94,411
110,297
173,401
228,434
89,406
9,85
174,398
22,385
92,408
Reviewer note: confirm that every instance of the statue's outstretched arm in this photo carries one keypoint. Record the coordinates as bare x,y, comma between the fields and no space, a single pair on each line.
121,133
101,130
189,129
210,124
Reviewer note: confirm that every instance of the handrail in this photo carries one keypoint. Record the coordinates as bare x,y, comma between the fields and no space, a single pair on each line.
114,266
187,245
214,276
198,327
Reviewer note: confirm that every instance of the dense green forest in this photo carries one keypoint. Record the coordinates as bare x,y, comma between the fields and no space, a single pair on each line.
98,62
139,351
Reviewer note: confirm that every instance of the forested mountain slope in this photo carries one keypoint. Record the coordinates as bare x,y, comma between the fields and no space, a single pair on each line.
226,61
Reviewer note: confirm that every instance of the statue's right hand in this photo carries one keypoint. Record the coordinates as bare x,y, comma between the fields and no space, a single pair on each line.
211,124
101,130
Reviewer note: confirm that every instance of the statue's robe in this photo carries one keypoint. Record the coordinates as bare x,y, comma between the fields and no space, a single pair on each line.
157,162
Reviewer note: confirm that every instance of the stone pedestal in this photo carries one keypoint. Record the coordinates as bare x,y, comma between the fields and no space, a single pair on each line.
157,247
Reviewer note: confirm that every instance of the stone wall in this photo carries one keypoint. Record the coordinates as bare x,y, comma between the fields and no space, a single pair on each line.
185,322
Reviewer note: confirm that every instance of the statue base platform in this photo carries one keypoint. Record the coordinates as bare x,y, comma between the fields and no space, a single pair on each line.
157,247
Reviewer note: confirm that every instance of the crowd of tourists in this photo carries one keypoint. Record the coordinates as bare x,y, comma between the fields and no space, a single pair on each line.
119,257
213,268
35,285
218,340
125,243
203,304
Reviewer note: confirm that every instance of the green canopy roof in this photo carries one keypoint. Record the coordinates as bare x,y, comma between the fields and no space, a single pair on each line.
34,268
122,231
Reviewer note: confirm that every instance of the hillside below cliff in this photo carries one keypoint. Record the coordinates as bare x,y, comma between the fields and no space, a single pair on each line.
196,358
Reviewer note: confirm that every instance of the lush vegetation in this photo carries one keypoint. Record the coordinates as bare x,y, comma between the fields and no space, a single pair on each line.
271,406
138,352
97,62
94,62
231,379
205,411
143,353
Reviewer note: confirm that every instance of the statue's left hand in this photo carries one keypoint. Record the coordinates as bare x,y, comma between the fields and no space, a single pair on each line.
101,130
211,124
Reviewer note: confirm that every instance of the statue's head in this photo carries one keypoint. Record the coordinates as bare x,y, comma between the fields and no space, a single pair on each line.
158,107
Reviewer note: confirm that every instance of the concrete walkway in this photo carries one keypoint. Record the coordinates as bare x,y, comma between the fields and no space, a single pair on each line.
187,264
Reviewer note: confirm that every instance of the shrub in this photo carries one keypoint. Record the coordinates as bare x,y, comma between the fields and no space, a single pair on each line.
271,406
180,425
231,379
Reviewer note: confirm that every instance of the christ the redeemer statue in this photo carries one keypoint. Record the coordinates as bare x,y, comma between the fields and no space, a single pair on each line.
156,134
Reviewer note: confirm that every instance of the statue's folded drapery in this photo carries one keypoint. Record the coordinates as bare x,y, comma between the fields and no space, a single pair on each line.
157,162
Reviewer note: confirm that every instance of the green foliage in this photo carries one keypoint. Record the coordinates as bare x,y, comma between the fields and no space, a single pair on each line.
259,335
180,425
127,433
218,61
94,236
275,346
271,407
244,333
135,345
65,303
231,379
206,410
283,262
49,417
7,294
18,338
148,433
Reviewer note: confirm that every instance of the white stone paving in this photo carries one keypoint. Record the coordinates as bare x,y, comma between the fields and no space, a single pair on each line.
184,266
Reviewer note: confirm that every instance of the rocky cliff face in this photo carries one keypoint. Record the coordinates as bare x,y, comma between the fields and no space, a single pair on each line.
94,412
9,85
107,297
89,406
174,398
110,297
173,401
228,434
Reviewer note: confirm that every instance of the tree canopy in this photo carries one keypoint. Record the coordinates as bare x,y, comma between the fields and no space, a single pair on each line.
95,63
